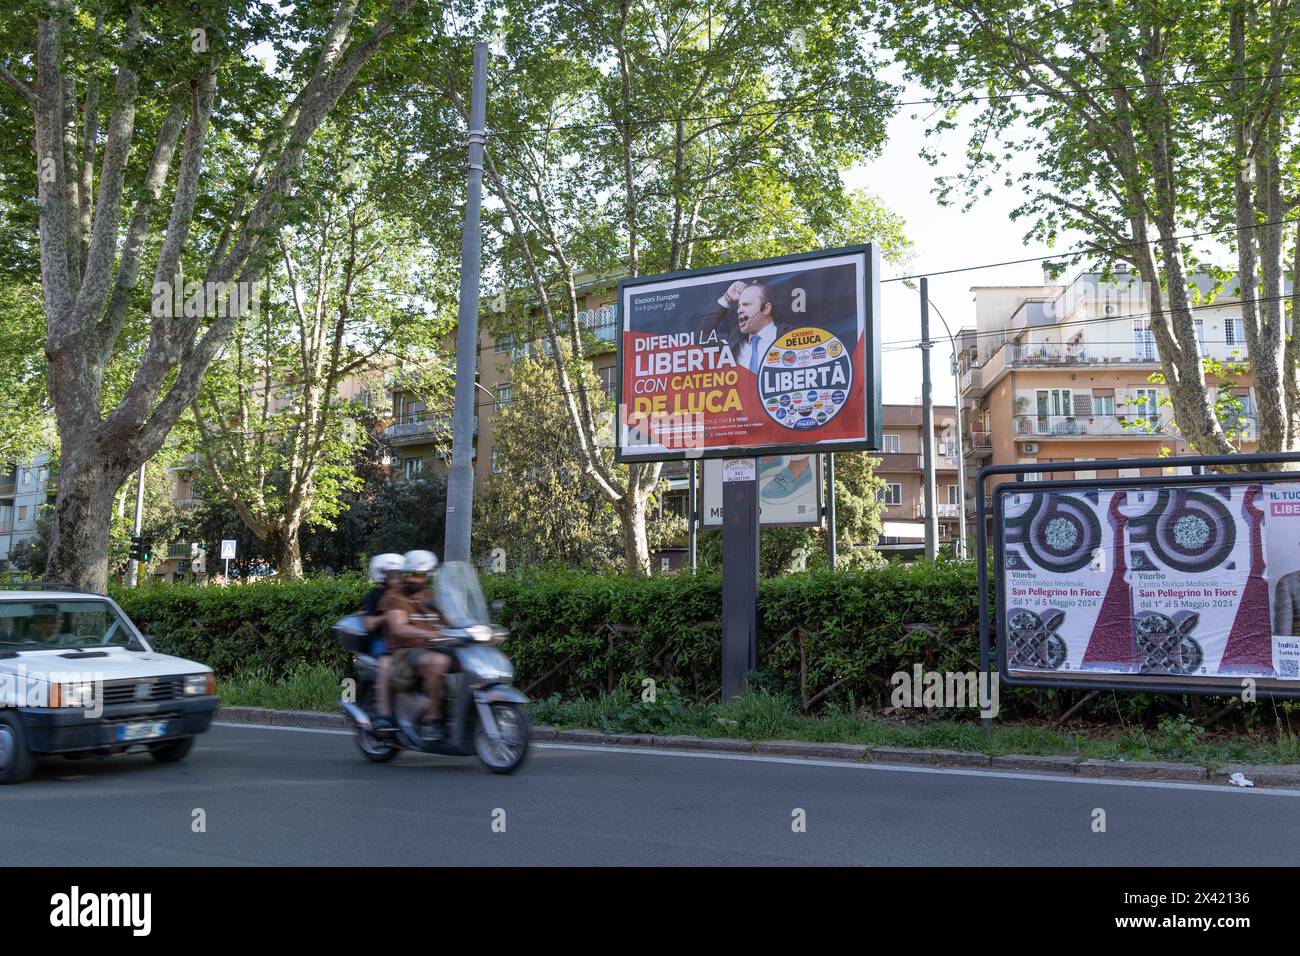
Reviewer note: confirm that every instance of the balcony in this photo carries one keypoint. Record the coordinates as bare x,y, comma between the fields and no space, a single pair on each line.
943,510
978,444
1054,355
971,381
1093,426
941,463
190,502
179,551
421,429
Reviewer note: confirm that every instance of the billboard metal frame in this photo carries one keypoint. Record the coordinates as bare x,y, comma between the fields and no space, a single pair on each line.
1223,687
873,425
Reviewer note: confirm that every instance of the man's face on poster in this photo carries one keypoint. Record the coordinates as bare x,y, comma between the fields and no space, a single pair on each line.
753,311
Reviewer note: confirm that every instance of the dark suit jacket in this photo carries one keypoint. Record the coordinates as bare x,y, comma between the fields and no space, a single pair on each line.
728,327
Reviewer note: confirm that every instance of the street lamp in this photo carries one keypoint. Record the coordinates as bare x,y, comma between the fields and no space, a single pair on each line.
961,456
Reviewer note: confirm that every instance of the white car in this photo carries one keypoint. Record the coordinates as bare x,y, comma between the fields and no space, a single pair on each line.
78,679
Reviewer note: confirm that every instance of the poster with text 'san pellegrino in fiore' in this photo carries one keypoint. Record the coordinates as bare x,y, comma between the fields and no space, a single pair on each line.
1190,581
1057,578
1281,504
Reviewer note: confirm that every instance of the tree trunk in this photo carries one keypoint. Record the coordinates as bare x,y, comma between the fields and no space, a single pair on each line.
636,548
286,551
83,511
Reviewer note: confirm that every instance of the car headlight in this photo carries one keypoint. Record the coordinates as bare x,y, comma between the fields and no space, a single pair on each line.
198,684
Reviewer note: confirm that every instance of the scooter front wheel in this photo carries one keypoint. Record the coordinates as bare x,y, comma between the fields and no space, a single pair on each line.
373,748
505,754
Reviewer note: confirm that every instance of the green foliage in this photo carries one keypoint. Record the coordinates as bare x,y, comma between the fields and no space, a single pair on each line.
539,505
266,627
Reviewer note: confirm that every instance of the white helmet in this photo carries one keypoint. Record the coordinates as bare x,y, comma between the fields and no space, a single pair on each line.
419,562
382,564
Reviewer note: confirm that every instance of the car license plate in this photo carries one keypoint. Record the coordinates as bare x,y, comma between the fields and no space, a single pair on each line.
142,731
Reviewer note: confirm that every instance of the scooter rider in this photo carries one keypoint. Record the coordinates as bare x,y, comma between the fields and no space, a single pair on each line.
386,572
410,624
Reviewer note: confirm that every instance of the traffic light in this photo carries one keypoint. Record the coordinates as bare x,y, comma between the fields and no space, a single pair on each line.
141,548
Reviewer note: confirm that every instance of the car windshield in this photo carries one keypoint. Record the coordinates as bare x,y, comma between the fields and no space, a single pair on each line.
47,625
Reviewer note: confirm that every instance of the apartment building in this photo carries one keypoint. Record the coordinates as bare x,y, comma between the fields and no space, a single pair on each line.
24,489
1057,373
421,437
902,468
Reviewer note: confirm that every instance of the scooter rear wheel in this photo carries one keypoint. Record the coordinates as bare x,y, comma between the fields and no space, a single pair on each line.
506,755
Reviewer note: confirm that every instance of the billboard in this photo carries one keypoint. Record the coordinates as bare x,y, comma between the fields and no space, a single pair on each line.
1187,583
789,492
777,355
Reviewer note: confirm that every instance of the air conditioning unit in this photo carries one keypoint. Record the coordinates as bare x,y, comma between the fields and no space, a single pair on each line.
1031,447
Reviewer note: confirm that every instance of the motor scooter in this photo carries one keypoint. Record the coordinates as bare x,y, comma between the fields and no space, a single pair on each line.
484,712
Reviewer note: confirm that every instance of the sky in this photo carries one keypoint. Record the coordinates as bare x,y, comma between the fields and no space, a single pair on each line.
943,238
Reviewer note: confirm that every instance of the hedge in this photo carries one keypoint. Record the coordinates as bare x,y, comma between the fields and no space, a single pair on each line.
823,636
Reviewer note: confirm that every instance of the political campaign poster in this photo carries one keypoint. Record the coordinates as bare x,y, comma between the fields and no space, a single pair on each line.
1190,582
778,355
789,491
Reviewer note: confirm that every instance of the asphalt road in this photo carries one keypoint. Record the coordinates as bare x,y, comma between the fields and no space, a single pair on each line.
293,797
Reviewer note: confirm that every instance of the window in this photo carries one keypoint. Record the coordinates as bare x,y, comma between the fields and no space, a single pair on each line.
893,444
1103,405
496,462
1234,333
1146,401
22,513
891,494
503,396
609,380
1144,343
1200,336
952,494
505,343
411,468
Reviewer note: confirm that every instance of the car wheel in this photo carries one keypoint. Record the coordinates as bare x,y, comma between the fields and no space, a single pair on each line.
16,761
171,751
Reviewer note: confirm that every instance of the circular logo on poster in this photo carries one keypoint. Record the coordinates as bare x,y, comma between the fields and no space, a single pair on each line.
824,371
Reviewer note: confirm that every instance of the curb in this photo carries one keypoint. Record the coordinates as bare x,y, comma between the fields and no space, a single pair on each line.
1261,775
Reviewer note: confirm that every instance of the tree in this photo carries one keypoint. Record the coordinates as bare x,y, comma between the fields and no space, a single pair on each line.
24,396
662,136
539,505
274,431
155,70
1123,108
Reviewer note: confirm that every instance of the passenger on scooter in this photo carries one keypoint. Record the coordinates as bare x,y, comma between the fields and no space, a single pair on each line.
411,624
386,572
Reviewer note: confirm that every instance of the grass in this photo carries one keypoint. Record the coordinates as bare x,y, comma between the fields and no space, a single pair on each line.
765,716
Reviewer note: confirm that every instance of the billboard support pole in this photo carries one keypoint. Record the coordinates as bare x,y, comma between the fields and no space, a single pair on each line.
927,426
739,582
692,517
831,543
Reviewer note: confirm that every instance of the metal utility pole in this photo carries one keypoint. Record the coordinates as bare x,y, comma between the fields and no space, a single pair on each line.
927,426
460,476
133,574
832,545
961,455
692,500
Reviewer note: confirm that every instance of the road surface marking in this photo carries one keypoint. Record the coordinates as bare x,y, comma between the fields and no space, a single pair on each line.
842,764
